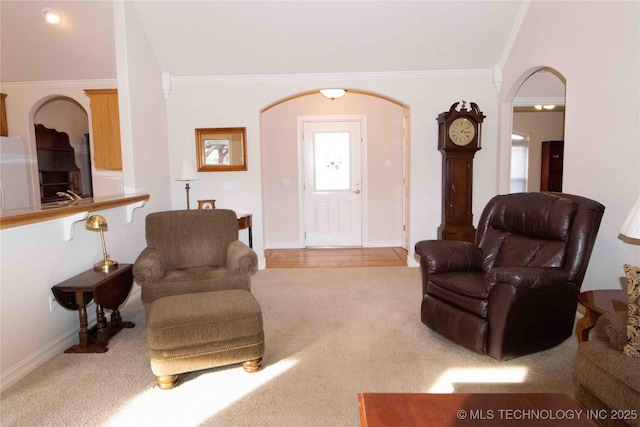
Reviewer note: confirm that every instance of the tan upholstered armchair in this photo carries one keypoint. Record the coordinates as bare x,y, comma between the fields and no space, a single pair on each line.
515,291
192,251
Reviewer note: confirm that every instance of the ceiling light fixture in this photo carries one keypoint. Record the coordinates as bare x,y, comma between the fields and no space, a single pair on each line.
333,93
544,107
51,16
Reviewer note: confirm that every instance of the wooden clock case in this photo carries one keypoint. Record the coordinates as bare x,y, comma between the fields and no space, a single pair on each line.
457,173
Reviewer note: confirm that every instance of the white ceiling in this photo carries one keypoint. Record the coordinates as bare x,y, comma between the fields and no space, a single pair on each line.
205,38
81,47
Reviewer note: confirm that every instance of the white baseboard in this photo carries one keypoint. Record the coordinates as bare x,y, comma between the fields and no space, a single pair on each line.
283,245
54,347
383,244
368,244
29,364
411,262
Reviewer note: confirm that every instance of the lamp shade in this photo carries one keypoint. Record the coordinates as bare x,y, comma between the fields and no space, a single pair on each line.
631,226
96,223
187,172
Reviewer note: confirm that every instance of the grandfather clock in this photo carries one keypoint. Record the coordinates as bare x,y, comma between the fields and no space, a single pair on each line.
458,140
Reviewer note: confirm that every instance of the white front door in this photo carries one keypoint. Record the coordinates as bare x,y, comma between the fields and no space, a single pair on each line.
332,183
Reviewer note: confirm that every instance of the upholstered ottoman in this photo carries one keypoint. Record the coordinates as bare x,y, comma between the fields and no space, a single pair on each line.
197,331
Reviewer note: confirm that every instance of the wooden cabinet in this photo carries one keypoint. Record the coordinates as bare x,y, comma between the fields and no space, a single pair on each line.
105,124
4,129
552,166
57,167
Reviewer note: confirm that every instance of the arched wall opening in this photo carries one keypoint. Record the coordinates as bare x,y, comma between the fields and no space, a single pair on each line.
536,109
384,166
64,114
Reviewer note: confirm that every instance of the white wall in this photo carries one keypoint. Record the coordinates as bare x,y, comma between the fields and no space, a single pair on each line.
143,114
237,102
598,53
279,141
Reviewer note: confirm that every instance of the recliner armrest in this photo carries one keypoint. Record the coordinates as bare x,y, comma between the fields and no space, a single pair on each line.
440,256
149,266
241,258
527,277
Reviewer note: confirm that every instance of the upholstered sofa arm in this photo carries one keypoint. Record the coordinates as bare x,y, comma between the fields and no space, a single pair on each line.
439,256
148,266
527,277
612,328
241,258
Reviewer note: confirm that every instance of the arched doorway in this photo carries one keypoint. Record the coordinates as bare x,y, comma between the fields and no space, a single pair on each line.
537,138
65,114
384,155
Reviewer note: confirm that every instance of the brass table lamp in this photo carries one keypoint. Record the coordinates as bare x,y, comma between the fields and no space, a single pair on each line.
99,223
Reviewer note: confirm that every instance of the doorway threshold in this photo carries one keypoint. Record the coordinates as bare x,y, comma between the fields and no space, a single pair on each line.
335,257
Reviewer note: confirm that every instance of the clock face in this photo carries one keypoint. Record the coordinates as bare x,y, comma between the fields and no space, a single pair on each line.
462,131
206,204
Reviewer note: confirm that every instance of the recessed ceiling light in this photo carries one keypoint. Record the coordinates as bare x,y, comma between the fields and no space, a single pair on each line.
51,16
544,107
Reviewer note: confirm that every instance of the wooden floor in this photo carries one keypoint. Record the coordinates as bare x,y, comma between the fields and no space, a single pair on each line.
335,257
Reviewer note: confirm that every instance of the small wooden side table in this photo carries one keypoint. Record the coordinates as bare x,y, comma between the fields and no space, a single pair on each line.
597,303
109,290
245,221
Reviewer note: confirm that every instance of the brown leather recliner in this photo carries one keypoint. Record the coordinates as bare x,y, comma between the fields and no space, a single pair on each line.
515,291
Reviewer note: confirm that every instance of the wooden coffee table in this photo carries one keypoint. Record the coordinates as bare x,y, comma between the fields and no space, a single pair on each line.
458,409
597,303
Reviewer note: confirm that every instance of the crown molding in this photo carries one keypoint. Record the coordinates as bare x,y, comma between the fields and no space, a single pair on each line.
376,75
82,84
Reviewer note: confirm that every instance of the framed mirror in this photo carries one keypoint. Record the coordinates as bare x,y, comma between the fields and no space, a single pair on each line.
221,149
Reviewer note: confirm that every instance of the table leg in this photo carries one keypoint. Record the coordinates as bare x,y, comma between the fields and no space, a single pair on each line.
84,323
584,325
116,320
87,343
101,336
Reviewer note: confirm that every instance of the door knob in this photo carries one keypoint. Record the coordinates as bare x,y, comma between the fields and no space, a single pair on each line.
357,191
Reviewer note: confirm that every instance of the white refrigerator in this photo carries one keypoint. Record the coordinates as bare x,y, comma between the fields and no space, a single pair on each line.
14,174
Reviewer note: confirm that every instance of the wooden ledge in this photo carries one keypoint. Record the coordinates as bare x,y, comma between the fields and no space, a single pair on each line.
25,216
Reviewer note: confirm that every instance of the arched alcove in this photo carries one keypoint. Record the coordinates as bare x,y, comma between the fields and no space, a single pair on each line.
384,158
537,131
63,114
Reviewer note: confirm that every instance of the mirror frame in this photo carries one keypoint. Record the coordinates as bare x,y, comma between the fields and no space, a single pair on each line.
201,137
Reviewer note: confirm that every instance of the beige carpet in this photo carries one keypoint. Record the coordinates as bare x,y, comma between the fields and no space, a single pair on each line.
330,333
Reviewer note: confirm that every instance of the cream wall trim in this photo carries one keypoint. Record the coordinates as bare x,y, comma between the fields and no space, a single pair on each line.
83,84
382,75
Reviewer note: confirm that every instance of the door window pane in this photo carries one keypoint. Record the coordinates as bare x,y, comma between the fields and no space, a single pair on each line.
331,161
